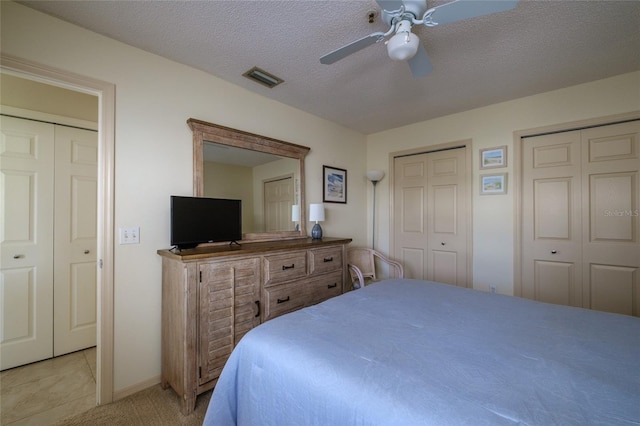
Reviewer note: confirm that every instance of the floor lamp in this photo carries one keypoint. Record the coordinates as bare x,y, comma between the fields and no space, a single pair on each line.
374,176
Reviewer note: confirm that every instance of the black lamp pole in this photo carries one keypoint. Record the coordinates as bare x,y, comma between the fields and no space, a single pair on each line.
373,233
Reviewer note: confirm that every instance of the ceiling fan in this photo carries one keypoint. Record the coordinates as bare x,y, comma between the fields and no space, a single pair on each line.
401,15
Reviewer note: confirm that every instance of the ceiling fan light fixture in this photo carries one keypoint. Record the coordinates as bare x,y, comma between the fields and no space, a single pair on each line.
404,44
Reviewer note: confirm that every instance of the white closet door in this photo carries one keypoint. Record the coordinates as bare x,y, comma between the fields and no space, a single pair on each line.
75,272
551,219
581,218
26,241
611,218
278,199
430,222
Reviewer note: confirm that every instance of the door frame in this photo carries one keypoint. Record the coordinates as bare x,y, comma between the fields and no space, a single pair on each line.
518,169
106,165
467,144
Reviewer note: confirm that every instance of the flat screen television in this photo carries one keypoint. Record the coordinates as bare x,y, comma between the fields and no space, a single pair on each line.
197,220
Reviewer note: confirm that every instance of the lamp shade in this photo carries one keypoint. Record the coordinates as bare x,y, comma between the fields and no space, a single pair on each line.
375,175
295,213
316,212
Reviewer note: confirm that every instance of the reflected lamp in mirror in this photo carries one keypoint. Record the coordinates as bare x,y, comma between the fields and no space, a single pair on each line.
316,214
295,215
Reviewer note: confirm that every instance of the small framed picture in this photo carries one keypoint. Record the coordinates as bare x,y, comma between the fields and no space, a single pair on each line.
334,188
493,157
493,184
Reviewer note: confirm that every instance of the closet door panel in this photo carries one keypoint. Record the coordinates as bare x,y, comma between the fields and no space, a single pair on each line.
26,241
611,222
552,233
75,270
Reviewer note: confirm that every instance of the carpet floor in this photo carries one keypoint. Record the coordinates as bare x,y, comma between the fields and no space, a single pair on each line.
152,406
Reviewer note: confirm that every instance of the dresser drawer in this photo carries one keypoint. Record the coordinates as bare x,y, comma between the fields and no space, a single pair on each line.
325,260
284,298
284,267
324,287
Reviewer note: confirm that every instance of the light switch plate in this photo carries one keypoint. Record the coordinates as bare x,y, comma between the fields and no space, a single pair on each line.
130,235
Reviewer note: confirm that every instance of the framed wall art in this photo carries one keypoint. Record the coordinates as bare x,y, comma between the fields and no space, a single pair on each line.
334,188
493,157
493,184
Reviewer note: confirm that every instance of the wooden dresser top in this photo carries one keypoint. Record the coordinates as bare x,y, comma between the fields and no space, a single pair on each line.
220,250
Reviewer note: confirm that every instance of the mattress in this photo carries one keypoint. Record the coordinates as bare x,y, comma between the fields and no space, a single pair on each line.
410,352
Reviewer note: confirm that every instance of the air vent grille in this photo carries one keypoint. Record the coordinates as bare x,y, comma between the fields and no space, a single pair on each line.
261,76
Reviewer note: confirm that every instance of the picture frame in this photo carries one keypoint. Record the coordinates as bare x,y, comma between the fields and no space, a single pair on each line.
493,158
334,186
493,184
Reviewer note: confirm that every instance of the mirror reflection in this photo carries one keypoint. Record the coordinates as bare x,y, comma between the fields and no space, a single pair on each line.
266,183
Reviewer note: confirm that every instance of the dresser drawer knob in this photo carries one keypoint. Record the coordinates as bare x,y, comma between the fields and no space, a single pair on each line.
328,259
285,267
334,285
286,299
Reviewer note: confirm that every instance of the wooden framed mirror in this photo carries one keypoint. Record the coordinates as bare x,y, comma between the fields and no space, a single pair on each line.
265,173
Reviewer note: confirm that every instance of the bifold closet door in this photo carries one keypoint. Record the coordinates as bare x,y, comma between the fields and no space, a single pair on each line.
26,270
48,240
429,215
580,218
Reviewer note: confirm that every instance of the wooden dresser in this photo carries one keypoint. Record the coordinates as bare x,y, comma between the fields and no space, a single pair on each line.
212,296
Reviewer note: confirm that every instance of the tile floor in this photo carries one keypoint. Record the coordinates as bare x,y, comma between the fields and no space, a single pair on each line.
44,392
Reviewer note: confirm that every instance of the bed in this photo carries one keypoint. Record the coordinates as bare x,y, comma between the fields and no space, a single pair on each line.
410,352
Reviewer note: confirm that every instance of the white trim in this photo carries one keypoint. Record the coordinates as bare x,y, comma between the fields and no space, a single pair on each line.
106,158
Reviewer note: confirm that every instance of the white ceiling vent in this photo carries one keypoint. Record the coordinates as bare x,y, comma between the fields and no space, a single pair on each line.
261,76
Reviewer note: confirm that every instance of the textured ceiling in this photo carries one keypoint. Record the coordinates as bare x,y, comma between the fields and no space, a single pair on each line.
536,47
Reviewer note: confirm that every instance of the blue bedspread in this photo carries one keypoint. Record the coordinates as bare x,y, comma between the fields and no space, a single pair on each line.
409,352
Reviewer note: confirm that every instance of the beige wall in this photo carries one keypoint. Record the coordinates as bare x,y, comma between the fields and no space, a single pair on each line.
493,216
34,96
154,98
234,182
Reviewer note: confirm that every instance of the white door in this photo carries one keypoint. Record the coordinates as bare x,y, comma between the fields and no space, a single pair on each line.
611,218
551,218
75,272
26,241
278,199
430,222
49,214
580,220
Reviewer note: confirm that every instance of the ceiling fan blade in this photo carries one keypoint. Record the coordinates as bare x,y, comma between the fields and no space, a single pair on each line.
390,5
347,50
420,64
464,9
